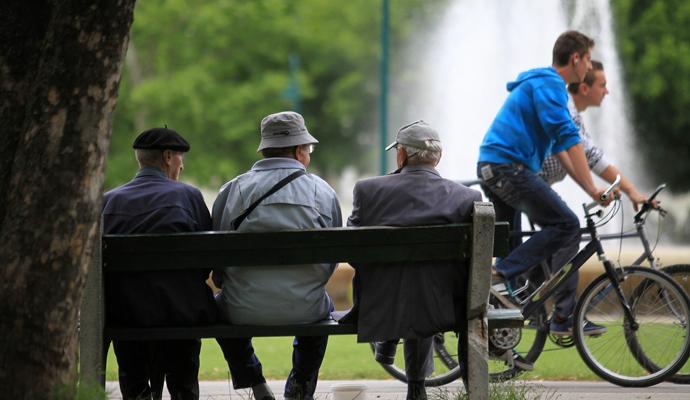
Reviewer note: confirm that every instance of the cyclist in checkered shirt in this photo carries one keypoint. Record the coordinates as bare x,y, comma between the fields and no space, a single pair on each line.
589,93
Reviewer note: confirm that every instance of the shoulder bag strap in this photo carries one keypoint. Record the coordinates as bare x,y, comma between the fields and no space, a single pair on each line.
240,218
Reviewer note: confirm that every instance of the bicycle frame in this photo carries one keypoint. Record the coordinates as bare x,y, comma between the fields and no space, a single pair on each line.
546,289
539,296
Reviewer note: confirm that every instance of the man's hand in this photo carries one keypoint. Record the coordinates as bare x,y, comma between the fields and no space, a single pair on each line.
599,194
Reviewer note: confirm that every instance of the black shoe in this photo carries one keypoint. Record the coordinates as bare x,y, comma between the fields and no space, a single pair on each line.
295,390
416,390
384,352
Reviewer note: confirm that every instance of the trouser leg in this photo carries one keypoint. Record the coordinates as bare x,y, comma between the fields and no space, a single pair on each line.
245,367
307,355
506,213
134,368
180,362
419,358
565,295
525,191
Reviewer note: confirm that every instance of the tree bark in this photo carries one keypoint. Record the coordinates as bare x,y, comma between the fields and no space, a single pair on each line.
60,66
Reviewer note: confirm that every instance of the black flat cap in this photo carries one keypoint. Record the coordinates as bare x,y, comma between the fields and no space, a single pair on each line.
161,139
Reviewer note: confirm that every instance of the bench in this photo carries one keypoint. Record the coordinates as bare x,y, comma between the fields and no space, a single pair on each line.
473,243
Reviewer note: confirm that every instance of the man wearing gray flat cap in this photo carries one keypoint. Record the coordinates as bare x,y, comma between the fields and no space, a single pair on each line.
278,194
415,194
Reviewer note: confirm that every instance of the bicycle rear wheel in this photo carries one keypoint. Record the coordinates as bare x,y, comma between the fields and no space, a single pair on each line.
681,274
637,354
446,367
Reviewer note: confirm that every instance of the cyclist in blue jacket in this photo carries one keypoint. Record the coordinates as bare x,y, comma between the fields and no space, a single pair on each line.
533,123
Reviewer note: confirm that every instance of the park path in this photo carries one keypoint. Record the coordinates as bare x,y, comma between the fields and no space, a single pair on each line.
393,390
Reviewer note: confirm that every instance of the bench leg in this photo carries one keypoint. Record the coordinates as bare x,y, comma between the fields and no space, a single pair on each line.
91,322
477,355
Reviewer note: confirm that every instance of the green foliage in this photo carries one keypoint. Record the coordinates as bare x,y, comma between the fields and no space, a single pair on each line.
654,42
211,69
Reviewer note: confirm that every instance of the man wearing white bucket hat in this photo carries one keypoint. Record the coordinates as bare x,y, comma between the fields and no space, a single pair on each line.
278,194
415,194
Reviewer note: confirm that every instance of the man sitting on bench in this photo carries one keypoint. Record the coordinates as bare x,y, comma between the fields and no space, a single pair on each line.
155,202
278,194
415,194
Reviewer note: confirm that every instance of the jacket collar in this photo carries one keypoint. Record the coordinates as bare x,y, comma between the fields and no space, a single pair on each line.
277,163
148,170
419,168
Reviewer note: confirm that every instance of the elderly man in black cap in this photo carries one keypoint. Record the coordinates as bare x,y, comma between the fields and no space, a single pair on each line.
415,194
278,194
155,202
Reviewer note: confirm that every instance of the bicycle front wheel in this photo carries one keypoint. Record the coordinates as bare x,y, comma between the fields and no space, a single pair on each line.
641,352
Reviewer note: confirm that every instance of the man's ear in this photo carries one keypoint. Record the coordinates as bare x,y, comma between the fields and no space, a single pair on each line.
583,89
167,156
439,159
401,157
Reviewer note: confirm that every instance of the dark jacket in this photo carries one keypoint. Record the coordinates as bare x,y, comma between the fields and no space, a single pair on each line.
153,203
409,301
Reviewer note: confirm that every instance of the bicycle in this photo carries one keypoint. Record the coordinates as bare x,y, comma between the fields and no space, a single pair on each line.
629,290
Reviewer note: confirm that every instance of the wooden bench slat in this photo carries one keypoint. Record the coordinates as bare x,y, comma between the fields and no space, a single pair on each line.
232,331
358,245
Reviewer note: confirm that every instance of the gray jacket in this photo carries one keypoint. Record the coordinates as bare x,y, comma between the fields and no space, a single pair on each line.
274,295
409,301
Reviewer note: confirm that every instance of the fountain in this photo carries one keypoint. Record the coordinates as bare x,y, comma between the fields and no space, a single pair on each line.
479,45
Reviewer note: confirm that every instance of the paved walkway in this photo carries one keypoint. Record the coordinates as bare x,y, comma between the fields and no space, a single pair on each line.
394,390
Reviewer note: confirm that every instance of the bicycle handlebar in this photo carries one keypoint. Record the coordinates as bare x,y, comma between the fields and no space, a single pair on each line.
647,205
605,195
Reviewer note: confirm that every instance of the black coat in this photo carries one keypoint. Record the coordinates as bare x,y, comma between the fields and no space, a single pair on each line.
152,203
414,300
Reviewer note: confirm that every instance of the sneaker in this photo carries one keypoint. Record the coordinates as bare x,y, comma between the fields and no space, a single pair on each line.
522,363
499,282
565,328
592,329
518,361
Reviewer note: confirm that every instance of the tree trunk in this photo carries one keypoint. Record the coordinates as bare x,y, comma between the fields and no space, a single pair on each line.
60,66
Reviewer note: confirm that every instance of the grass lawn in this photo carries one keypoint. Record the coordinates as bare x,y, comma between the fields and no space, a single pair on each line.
347,359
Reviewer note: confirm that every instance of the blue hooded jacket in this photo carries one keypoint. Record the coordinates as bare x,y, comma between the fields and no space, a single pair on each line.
533,123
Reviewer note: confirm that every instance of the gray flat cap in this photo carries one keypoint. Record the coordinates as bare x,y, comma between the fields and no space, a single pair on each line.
284,129
417,134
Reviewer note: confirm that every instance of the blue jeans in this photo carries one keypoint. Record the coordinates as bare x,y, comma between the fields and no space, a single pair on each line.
246,370
513,187
307,355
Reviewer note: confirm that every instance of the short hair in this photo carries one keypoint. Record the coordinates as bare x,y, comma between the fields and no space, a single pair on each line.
570,42
431,155
590,77
149,156
272,152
